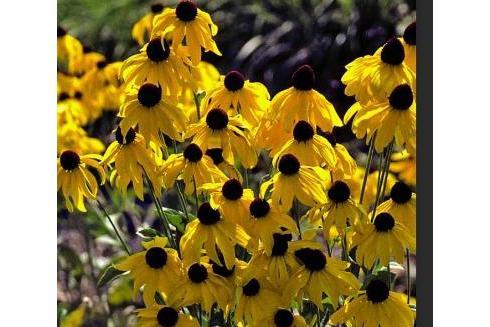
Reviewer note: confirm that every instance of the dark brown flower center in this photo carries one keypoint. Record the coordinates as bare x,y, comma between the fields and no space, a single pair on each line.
193,153
167,317
232,189
304,78
156,8
283,318
69,160
303,131
61,32
339,192
259,208
63,96
401,193
252,288
102,64
207,215
401,98
156,257
234,81
149,95
197,273
393,52
377,291
78,95
130,136
216,155
313,259
217,119
158,50
409,36
384,222
186,11
288,164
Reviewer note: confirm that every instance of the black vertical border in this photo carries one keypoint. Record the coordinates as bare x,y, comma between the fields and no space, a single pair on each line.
424,163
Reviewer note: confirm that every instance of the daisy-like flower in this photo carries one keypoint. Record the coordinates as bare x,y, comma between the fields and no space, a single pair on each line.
232,134
75,179
376,306
375,76
193,167
409,45
238,96
164,315
345,165
281,317
405,165
157,268
231,199
86,62
393,118
142,28
293,180
228,169
310,148
71,136
355,185
402,205
131,161
189,22
303,102
68,47
213,233
156,64
383,239
270,134
144,107
276,265
319,274
340,210
201,285
257,299
97,80
265,219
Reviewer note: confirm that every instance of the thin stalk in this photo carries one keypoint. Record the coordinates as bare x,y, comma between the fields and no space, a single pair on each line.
318,319
123,243
382,178
183,201
198,109
408,276
245,175
368,167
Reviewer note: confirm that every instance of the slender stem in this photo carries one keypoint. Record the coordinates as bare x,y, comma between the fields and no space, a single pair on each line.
382,177
125,246
245,175
408,276
368,167
318,317
198,109
182,199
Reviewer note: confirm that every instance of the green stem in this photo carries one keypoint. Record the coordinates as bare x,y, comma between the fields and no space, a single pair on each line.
182,199
125,246
382,177
198,109
368,167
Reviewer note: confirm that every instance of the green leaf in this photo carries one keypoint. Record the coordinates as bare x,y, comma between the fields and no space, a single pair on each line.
148,232
176,218
108,275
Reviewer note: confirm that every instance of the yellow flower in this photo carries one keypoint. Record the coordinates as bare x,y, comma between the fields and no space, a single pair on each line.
355,184
71,136
319,274
142,28
305,183
75,179
281,317
164,315
388,119
146,108
213,233
383,239
375,76
302,102
376,306
402,205
257,299
191,23
196,170
132,161
238,96
345,166
157,268
68,47
232,134
157,64
88,60
311,149
409,45
270,134
404,164
228,169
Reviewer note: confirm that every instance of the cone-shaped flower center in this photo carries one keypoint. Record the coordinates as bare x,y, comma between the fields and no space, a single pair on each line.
102,64
283,318
186,11
207,215
193,153
130,136
384,222
156,257
281,244
69,160
197,273
63,96
377,291
232,189
409,36
392,52
259,208
304,78
234,81
217,119
288,164
303,131
252,288
61,32
216,154
339,192
401,98
78,95
149,95
156,8
167,317
313,259
401,193
157,50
